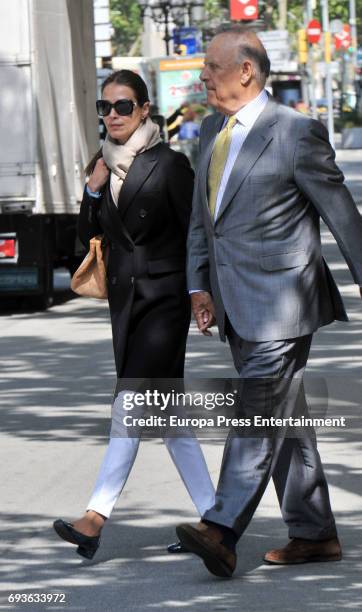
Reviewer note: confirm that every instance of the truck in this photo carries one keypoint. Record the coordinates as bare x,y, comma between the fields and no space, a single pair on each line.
48,131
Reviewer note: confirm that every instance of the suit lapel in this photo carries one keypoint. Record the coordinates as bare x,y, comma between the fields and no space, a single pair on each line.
137,174
113,223
256,141
139,171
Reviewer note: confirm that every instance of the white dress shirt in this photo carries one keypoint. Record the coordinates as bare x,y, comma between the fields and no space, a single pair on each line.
246,118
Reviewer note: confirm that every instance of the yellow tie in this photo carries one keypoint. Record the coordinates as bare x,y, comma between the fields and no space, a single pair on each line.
218,161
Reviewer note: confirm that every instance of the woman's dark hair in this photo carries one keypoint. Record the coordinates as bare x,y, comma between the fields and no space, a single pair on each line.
134,82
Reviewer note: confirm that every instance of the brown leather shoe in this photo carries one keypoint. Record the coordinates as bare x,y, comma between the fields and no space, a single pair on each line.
305,551
205,541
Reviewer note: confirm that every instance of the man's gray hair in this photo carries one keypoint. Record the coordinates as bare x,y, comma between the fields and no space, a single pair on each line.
250,48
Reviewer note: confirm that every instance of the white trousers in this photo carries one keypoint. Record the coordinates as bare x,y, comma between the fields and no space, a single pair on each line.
121,453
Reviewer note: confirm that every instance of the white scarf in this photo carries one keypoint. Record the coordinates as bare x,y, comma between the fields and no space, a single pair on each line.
119,157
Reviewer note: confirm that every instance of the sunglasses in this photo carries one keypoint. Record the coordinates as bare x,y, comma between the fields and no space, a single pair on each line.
122,107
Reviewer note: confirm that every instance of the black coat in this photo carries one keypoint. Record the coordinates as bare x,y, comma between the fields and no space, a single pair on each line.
147,293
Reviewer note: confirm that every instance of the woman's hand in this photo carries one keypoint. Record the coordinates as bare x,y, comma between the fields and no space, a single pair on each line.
99,176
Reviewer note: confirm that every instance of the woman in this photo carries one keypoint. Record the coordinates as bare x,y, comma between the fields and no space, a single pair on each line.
139,196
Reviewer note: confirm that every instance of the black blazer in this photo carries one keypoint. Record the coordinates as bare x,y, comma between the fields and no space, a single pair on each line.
147,235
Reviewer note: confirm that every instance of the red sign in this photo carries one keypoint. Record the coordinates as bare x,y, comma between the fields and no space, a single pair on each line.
342,40
245,10
314,31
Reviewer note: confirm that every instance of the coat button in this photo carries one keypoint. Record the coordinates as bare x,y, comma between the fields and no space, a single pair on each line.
112,246
143,213
132,280
114,280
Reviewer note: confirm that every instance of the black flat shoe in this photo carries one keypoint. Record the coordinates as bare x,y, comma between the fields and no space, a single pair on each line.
87,545
177,548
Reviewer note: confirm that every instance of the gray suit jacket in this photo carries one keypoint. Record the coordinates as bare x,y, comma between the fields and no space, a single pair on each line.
261,260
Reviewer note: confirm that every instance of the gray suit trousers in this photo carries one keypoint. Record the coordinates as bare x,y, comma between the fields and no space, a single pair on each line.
271,384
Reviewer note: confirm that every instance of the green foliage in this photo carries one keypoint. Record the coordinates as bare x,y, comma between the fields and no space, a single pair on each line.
268,10
213,9
127,25
339,9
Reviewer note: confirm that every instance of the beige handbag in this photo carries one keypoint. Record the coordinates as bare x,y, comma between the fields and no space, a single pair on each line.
90,278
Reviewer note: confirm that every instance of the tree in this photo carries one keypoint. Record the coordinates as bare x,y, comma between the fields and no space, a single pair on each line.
127,26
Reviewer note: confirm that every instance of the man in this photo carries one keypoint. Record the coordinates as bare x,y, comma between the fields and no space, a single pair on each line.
266,175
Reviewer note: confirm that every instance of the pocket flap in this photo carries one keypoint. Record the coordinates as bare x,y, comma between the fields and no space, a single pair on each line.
283,261
162,266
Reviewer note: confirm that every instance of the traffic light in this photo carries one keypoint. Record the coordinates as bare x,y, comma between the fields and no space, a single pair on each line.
327,47
302,47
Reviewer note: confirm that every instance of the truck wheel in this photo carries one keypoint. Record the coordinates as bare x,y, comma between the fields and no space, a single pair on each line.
41,302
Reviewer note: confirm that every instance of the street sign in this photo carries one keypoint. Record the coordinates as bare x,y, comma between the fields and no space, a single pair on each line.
314,31
273,35
245,10
277,46
189,38
275,40
342,40
284,66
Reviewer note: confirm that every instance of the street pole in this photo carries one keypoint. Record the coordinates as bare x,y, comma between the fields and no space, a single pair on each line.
353,26
311,65
327,58
167,36
282,9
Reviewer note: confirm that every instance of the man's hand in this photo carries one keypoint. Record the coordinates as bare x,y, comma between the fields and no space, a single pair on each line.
204,311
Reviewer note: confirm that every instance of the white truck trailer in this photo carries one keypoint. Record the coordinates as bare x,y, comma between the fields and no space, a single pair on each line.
48,132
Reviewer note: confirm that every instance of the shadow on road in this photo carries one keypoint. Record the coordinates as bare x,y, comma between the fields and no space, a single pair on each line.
133,563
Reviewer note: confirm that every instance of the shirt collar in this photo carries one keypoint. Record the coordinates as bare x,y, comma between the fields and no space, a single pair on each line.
248,114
